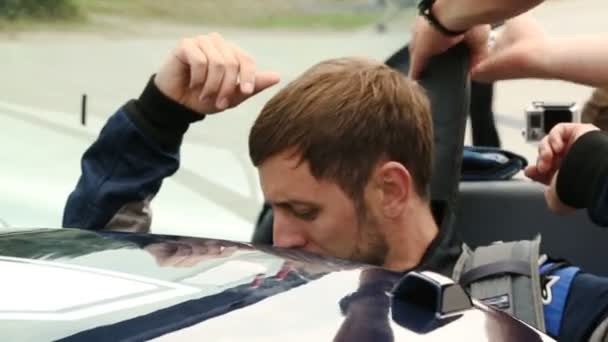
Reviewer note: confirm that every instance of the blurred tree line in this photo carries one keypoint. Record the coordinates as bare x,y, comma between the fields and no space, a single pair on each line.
38,9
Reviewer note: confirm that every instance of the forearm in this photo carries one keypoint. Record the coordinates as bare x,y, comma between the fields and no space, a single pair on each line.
121,168
458,15
579,59
125,166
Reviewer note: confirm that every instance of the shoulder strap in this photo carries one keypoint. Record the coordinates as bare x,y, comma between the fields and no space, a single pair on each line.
505,275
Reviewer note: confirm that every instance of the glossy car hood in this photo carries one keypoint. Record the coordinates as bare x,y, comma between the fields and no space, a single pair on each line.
81,285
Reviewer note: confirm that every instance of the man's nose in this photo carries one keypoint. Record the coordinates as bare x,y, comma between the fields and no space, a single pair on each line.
286,234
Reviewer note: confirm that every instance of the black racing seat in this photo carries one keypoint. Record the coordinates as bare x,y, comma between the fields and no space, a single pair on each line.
516,209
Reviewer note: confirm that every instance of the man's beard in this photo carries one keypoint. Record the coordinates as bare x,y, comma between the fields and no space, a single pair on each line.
371,246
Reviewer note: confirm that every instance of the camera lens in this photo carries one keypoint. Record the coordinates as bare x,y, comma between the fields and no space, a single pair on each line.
556,116
535,121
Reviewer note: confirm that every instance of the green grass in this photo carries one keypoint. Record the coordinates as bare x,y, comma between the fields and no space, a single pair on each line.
239,13
337,21
37,24
273,14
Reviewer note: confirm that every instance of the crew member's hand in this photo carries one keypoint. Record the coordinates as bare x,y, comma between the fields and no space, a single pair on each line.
208,75
517,53
551,151
553,148
552,199
427,42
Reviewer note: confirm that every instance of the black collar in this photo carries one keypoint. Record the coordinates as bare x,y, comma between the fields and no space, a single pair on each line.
442,254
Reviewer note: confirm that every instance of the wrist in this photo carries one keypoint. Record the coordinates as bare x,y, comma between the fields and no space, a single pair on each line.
442,12
543,58
160,117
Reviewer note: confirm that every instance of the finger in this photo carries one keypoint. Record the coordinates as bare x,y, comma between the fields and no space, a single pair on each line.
215,69
160,251
412,49
579,130
556,141
545,156
228,251
263,81
477,40
418,62
554,204
532,172
191,54
551,198
191,261
499,66
231,71
247,70
182,252
549,201
565,134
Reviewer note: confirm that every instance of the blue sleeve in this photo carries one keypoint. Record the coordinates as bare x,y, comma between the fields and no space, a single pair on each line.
123,165
586,307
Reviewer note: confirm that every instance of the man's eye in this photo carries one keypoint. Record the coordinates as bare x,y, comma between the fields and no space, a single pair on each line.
307,215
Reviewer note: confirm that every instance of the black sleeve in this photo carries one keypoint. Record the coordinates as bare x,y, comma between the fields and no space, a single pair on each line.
586,308
161,118
583,176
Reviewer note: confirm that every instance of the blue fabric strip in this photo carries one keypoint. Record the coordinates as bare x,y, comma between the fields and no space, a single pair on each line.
555,295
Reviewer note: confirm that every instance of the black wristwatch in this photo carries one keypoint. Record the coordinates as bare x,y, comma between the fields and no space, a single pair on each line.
425,9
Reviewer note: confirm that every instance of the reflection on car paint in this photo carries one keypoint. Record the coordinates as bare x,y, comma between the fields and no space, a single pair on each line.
229,289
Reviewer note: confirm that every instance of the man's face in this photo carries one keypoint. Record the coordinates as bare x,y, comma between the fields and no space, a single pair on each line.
318,216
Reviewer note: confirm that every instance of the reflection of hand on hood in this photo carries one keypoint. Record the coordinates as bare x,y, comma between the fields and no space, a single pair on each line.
367,309
188,252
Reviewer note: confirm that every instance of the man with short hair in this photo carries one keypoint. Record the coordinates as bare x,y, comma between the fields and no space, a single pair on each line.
344,160
343,152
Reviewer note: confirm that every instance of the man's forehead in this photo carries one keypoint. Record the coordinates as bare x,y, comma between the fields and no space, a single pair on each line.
286,178
281,178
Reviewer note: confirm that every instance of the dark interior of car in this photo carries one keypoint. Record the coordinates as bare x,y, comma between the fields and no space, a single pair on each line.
488,211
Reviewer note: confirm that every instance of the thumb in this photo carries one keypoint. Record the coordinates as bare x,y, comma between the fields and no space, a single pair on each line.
498,66
265,80
477,40
532,172
416,66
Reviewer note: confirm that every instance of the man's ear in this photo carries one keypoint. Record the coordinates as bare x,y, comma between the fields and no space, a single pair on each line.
395,184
